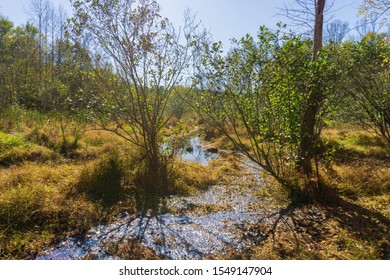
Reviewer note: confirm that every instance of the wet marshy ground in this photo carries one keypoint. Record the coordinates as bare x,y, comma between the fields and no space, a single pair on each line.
196,227
199,226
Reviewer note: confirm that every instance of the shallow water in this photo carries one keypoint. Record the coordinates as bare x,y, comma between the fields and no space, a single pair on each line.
191,149
198,153
190,234
201,225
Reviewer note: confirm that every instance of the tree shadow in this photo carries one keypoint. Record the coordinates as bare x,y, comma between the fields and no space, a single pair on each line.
363,224
103,183
292,229
160,233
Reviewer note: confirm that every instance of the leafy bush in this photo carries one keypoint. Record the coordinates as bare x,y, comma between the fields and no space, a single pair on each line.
368,78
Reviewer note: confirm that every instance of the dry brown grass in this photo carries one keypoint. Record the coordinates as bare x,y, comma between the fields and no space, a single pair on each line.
46,196
38,202
132,250
188,177
360,171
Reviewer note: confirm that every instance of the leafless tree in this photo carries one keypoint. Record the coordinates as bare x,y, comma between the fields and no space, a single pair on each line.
336,31
368,24
38,12
60,21
53,25
301,14
150,58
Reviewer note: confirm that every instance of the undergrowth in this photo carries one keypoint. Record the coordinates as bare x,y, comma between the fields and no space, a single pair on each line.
51,188
59,181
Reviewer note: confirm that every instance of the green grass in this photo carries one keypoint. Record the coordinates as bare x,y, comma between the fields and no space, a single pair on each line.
38,206
27,153
354,143
8,141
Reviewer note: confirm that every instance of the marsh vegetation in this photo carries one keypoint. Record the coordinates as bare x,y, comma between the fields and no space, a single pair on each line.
121,137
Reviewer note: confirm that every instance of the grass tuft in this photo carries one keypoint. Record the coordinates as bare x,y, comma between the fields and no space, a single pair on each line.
103,182
8,141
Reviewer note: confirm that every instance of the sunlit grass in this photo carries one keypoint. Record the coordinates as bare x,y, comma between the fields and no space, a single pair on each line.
351,143
46,195
360,170
8,141
38,202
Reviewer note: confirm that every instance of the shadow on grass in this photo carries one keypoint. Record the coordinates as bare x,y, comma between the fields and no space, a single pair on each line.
303,231
347,155
365,140
104,183
362,223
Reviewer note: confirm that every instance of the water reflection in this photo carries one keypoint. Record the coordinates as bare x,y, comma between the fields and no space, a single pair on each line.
190,149
196,152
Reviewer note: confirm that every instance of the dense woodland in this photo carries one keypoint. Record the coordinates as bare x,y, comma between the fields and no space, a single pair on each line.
88,101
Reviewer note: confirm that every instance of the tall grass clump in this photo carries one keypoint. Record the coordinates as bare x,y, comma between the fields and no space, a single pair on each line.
38,207
104,182
16,118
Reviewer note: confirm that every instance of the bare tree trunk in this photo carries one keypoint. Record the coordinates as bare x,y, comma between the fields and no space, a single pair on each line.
318,28
39,13
60,40
53,26
314,104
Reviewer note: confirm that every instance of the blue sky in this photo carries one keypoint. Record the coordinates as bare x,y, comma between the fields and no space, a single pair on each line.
225,19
